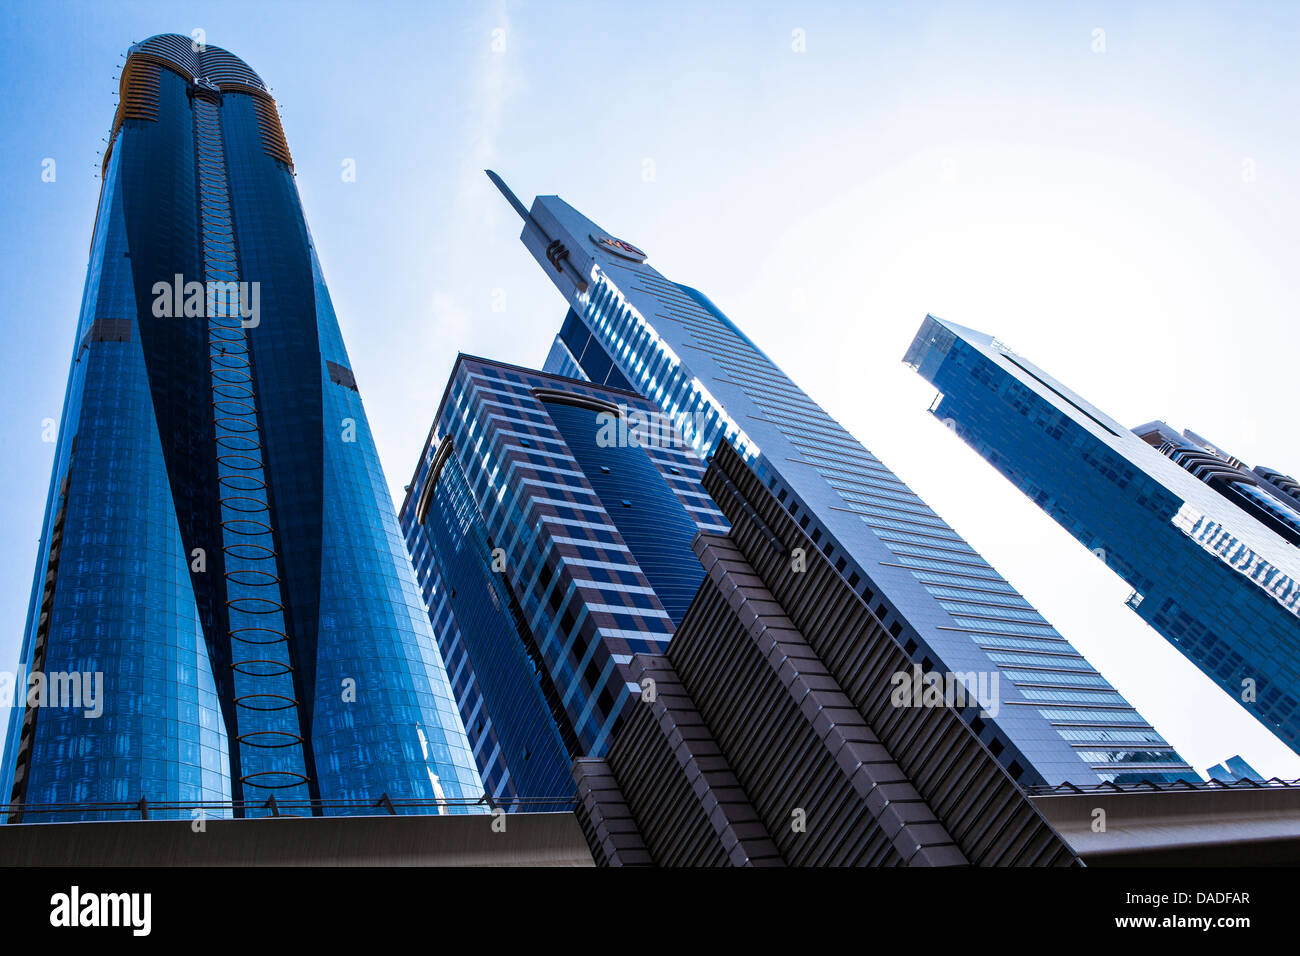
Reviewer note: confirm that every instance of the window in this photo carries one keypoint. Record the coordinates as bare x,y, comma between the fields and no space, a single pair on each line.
341,375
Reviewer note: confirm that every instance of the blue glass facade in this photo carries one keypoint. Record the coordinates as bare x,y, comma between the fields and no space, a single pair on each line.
1057,719
220,552
1204,542
517,741
551,546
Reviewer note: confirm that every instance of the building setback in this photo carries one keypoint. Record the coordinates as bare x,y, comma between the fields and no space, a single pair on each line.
1208,545
629,326
220,554
550,522
769,734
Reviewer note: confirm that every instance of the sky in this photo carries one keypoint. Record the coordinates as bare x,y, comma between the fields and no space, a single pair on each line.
1110,189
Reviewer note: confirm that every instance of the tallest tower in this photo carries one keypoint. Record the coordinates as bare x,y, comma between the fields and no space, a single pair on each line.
221,574
1053,718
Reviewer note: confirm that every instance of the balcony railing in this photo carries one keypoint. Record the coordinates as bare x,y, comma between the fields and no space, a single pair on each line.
144,809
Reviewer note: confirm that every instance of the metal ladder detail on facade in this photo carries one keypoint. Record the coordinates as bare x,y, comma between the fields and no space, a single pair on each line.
270,745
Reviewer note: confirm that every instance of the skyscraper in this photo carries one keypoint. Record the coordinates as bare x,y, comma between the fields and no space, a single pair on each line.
775,735
1208,545
1056,718
1233,769
220,558
551,523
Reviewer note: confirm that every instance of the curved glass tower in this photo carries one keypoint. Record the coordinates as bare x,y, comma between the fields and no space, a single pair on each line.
223,609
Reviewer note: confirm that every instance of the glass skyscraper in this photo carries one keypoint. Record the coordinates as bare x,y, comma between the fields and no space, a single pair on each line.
220,556
1209,546
551,523
1056,719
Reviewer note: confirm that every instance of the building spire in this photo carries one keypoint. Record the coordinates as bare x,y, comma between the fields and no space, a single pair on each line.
519,207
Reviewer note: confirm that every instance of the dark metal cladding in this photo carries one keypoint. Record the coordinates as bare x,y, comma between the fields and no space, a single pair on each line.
767,735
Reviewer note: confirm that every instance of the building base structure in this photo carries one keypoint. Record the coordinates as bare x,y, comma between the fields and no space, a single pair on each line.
529,839
1243,823
769,733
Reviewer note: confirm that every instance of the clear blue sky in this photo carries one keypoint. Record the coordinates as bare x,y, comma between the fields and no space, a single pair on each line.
1125,217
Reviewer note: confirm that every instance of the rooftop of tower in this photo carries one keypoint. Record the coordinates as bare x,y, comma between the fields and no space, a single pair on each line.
199,61
209,70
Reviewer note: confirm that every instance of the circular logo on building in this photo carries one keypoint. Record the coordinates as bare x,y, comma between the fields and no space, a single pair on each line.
618,247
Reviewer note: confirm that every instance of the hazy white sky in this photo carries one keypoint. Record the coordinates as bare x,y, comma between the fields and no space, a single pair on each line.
1119,207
